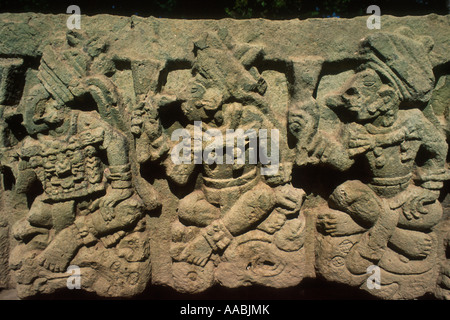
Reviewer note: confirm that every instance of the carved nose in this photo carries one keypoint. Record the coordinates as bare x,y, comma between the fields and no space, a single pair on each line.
334,100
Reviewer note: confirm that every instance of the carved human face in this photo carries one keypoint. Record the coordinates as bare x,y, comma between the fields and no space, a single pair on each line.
203,103
360,95
49,114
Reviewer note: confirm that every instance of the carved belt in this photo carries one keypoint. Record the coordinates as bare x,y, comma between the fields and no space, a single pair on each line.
389,187
387,182
218,189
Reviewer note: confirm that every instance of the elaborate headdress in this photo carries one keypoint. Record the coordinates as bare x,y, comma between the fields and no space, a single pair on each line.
403,61
66,74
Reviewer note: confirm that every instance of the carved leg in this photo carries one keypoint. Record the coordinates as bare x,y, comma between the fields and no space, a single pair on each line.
373,243
365,207
249,210
40,214
42,217
195,210
358,200
197,251
24,231
338,223
57,256
413,244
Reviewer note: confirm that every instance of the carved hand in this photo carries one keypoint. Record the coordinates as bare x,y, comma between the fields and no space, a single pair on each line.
145,119
289,199
414,206
360,141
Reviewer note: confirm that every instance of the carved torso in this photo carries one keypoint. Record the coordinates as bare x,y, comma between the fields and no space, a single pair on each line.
234,117
391,163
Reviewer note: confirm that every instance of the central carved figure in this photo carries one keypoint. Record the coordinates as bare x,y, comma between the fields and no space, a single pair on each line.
234,198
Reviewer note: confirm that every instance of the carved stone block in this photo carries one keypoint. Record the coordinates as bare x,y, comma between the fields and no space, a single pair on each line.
139,152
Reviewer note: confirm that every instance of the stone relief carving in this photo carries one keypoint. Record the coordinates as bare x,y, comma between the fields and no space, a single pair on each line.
388,218
237,221
190,168
87,208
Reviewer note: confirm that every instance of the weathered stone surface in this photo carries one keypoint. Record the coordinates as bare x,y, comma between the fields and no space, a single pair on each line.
96,185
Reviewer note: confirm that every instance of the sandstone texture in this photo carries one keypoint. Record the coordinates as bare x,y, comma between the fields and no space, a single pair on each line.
139,152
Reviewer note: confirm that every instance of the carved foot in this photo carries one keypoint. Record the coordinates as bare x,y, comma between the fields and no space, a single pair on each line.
337,223
197,251
413,244
57,256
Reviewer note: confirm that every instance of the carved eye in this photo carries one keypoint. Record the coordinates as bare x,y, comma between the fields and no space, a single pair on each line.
369,83
197,90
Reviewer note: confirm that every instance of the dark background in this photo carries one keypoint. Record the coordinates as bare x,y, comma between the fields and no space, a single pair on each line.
240,9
